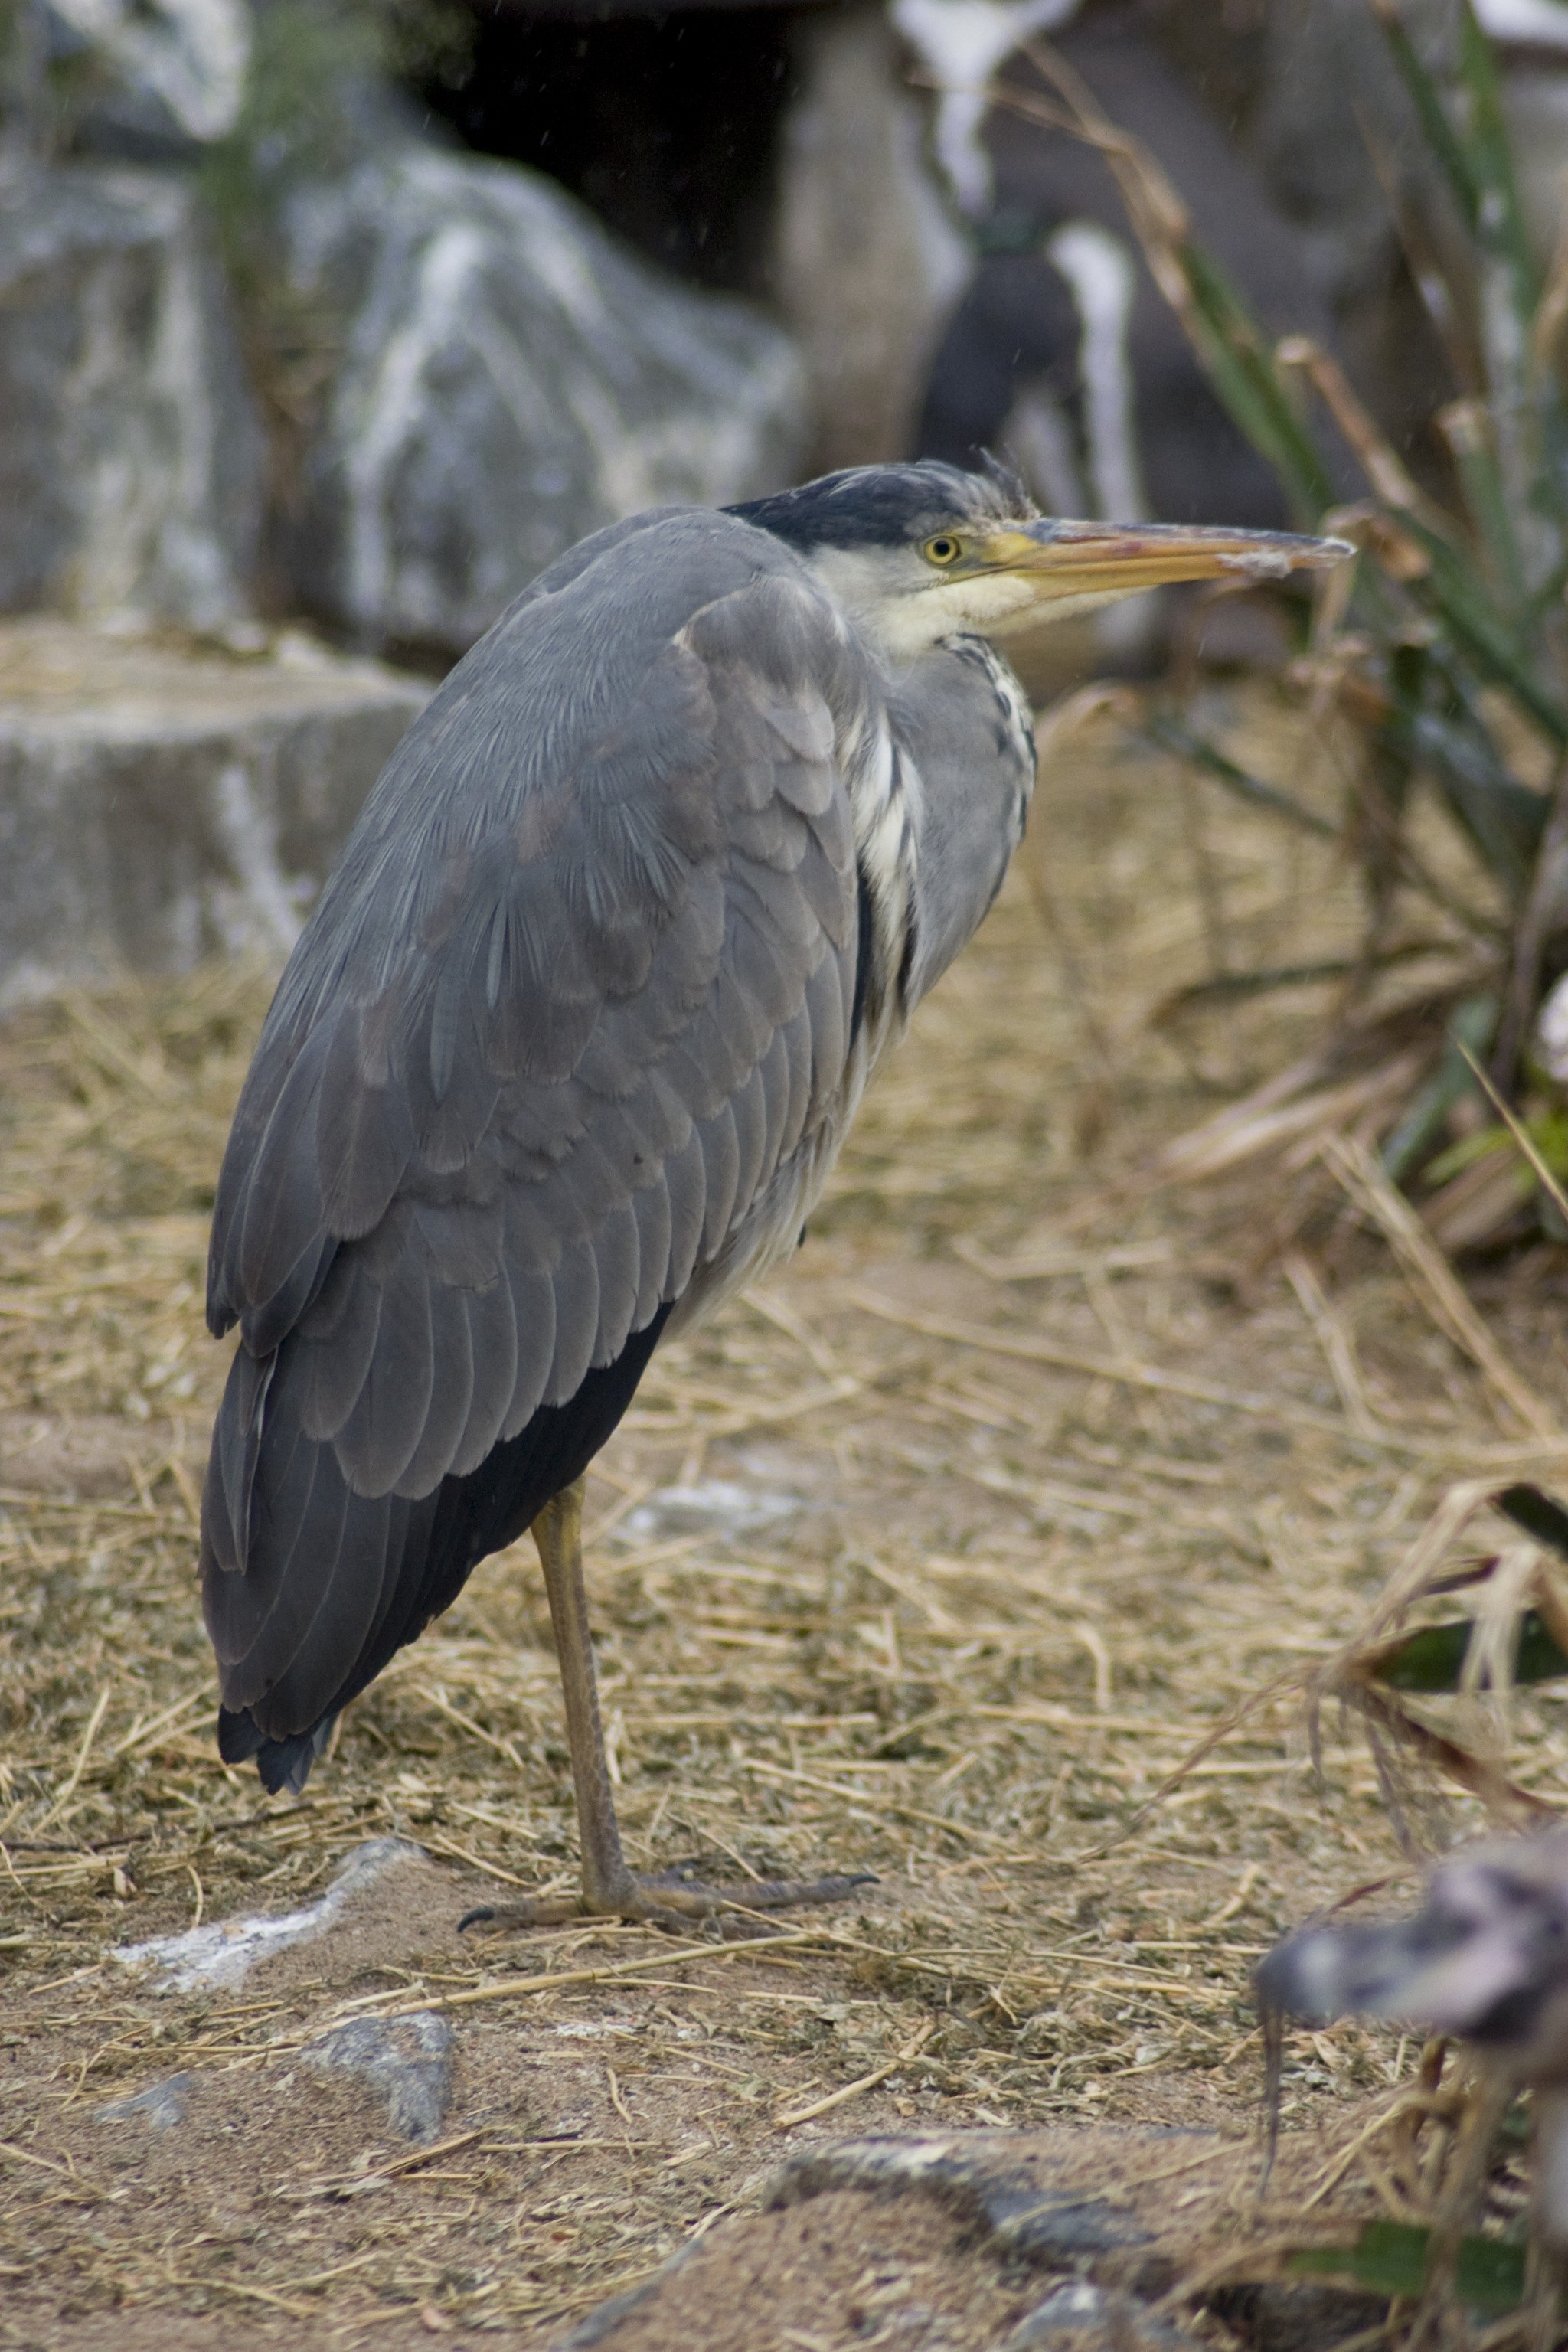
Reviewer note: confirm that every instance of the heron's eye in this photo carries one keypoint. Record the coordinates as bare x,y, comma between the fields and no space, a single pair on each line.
943,549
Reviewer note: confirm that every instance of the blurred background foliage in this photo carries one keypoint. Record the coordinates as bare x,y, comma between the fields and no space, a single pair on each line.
1441,660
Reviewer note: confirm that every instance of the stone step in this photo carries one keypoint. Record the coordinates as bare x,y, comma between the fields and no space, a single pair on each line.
164,800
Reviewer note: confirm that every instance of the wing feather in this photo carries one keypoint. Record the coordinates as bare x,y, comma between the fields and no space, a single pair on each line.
577,1291
378,1440
281,1219
451,1394
618,1254
771,1079
533,1319
336,1351
749,1110
342,1605
492,1349
793,1044
830,996
720,1173
364,1126
686,1179
650,1206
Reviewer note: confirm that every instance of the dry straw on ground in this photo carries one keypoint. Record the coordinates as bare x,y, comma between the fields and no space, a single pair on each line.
997,1501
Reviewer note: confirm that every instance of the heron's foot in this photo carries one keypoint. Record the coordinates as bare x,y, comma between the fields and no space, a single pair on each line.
676,1900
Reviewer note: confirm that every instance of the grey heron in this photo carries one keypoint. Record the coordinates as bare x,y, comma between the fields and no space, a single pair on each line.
570,1043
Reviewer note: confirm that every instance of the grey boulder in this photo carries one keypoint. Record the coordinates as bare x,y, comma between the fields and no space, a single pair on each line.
160,806
1080,2317
511,378
131,456
153,77
161,2106
405,2061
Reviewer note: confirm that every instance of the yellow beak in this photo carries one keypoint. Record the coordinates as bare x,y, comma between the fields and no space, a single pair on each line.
1067,561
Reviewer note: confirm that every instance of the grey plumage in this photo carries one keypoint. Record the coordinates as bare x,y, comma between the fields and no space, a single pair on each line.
572,1039
569,1028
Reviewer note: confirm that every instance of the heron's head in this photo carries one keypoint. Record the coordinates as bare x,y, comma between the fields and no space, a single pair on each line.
917,553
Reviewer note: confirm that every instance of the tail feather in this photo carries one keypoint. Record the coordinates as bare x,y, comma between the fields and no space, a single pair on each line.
282,1763
311,1589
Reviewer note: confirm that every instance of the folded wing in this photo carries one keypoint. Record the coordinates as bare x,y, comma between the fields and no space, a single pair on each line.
581,985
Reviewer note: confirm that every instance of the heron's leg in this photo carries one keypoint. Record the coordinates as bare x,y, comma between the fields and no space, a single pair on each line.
608,1884
609,1889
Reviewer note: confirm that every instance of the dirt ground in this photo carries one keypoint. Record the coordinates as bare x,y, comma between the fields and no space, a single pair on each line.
935,1559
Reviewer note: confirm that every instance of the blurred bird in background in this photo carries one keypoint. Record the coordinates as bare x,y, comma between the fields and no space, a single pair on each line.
573,1036
1485,1959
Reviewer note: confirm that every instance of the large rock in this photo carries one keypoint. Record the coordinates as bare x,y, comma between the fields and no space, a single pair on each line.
158,806
150,78
511,378
130,453
1063,2240
405,2061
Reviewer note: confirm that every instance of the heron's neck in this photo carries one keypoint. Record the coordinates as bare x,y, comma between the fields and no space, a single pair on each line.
966,722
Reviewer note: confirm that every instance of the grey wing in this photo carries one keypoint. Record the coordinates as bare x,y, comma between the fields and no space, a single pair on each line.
525,1081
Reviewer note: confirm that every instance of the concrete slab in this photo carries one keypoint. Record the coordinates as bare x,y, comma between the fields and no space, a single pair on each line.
162,800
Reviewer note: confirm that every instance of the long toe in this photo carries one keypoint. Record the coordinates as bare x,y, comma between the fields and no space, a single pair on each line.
552,1911
755,1895
675,1900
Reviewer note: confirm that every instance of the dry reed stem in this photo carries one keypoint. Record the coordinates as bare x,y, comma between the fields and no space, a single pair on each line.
1435,1281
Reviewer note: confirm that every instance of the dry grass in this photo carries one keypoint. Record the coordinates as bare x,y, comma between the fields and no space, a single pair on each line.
1074,1469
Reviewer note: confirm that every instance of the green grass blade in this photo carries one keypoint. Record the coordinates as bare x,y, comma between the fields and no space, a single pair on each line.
1391,2257
1489,2274
1241,361
1486,499
1504,819
1473,1021
1432,1659
1499,221
1475,160
1451,591
1447,147
1539,1515
1527,405
1173,735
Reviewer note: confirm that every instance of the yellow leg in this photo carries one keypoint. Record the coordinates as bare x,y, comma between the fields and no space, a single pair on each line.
609,1889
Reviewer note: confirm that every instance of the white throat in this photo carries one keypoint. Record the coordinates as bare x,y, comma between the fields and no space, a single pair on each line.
902,618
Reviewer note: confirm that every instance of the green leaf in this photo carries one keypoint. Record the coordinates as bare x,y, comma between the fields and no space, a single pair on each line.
1391,2258
1490,2274
1432,1659
1549,1134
